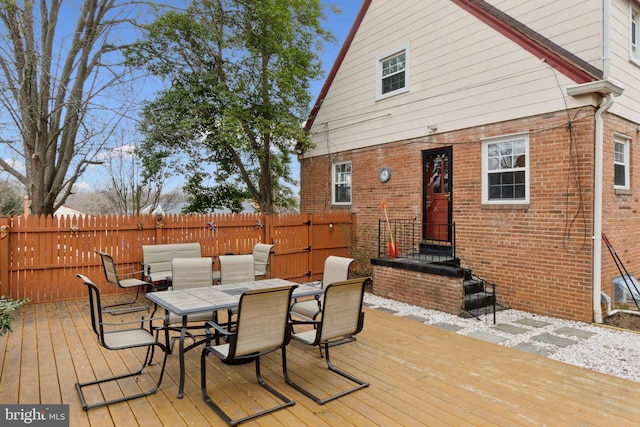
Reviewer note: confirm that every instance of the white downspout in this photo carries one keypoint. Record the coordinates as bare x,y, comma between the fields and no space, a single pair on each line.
597,208
599,143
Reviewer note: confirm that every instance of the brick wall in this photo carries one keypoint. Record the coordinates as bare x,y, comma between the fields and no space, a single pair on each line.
620,207
424,290
540,255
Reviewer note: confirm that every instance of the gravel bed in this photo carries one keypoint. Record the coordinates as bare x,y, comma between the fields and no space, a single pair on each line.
610,351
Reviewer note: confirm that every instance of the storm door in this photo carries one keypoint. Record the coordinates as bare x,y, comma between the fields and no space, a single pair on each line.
437,200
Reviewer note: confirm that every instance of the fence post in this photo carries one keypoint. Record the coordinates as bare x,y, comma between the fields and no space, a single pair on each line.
267,232
159,225
5,237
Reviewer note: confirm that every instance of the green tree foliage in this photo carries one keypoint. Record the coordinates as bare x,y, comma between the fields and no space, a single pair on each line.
240,72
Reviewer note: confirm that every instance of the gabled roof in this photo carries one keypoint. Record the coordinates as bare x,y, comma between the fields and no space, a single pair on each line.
564,61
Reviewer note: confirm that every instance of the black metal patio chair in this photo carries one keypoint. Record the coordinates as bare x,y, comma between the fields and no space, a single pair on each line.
120,337
340,320
262,327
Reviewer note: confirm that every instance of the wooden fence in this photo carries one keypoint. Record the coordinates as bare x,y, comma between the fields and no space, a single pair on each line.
40,256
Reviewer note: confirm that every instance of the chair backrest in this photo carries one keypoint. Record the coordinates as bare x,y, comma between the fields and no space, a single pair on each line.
191,272
157,258
342,309
336,269
262,324
95,306
261,253
109,266
236,269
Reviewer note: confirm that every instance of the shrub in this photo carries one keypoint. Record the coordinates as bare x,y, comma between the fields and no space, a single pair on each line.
7,307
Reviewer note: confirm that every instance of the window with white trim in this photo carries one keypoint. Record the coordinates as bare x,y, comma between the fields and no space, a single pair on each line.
621,145
392,73
634,33
505,170
341,186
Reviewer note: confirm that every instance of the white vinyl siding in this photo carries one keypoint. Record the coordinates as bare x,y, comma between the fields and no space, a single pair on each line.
505,170
621,162
453,84
341,186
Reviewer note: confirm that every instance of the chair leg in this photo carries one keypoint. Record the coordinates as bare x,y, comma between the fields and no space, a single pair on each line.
205,396
318,400
146,362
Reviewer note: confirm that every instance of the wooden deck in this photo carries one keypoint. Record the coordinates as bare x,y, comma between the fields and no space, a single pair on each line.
419,375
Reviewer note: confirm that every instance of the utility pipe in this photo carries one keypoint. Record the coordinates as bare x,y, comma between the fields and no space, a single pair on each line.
607,300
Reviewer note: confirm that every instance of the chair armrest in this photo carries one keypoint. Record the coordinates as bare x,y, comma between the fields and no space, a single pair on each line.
218,328
130,273
133,322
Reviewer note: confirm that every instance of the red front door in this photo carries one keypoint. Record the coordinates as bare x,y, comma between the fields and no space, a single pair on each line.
437,194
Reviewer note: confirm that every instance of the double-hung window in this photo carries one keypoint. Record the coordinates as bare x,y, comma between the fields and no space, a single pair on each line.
393,73
634,33
505,170
341,186
621,162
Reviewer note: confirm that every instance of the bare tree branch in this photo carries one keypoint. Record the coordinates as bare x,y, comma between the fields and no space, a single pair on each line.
53,86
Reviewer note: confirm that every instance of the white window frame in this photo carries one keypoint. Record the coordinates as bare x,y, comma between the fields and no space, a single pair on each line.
341,179
379,77
519,137
634,33
625,141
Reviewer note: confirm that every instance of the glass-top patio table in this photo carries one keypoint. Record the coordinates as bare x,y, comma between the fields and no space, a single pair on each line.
184,302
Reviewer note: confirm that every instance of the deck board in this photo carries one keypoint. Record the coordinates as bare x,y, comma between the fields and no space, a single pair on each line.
418,375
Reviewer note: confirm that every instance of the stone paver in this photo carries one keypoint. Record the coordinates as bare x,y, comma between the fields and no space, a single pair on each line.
510,329
573,332
448,326
387,310
487,337
533,349
532,322
416,318
552,339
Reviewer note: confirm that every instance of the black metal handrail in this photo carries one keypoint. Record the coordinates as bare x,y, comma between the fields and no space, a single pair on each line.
416,240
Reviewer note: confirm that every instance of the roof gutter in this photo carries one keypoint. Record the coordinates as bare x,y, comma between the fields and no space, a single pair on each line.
608,90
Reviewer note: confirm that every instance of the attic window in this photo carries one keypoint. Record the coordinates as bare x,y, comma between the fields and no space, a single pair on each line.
393,73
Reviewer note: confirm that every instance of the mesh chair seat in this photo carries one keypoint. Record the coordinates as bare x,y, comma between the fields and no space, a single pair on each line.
307,308
336,269
132,282
125,339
